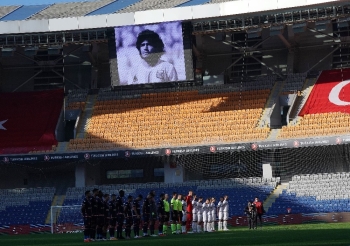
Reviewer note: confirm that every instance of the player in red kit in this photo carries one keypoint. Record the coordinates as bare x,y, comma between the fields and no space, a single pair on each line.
259,211
189,208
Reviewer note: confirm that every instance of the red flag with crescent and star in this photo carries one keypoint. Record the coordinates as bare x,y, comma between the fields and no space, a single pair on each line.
331,93
28,120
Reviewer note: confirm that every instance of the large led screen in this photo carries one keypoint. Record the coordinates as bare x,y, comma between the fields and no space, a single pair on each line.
150,53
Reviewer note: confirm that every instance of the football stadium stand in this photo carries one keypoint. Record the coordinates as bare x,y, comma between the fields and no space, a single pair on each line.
25,206
320,116
175,119
30,120
76,99
314,193
294,82
312,125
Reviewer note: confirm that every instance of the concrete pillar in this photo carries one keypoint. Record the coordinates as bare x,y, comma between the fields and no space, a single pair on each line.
80,175
173,173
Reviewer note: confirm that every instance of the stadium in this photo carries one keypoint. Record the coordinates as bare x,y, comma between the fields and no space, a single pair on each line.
219,97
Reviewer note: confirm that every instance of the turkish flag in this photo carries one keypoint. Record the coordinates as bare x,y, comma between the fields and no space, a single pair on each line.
331,93
28,120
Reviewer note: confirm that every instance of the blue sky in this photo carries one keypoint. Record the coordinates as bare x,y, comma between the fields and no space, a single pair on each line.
33,2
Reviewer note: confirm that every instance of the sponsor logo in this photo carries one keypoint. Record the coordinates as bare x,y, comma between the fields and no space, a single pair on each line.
254,146
338,140
127,154
212,149
296,143
46,158
168,151
87,156
6,159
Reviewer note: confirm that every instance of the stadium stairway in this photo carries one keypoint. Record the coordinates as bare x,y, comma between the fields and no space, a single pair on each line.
62,147
273,134
274,195
57,201
86,116
265,118
309,84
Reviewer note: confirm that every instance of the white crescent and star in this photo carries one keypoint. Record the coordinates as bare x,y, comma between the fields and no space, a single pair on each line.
2,125
334,94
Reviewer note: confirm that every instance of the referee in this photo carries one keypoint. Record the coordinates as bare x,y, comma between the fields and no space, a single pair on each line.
167,213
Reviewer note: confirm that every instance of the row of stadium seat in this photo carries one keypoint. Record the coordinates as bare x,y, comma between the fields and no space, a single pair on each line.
322,176
195,121
314,193
294,82
317,125
29,191
76,99
25,206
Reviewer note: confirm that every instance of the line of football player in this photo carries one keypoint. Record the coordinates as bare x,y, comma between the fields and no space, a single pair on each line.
103,213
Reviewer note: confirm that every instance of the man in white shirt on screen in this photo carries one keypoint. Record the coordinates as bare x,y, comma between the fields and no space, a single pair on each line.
152,69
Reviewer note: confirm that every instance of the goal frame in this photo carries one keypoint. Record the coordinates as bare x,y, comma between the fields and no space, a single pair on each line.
52,214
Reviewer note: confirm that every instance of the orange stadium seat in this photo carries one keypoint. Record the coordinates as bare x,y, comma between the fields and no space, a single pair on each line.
174,119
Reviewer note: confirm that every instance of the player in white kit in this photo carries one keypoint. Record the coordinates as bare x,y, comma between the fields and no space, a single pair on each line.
194,213
220,210
199,215
225,209
209,215
205,215
213,214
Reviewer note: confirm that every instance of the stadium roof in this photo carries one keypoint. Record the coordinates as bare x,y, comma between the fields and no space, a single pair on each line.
24,12
37,2
91,14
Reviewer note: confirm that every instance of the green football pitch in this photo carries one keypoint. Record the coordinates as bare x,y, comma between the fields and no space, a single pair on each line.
290,235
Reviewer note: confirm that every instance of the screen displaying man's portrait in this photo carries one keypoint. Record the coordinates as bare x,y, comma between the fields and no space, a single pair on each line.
150,53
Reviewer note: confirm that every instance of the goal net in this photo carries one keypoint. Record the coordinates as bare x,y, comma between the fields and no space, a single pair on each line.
284,162
66,219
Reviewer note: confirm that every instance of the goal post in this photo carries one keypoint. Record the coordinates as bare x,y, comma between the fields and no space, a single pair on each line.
66,219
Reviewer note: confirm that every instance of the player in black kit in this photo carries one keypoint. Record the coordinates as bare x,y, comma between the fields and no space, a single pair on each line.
128,217
100,217
112,216
146,214
120,214
94,216
153,216
136,215
106,216
86,210
161,214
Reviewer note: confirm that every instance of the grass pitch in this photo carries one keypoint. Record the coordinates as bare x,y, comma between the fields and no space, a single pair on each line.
288,235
